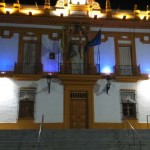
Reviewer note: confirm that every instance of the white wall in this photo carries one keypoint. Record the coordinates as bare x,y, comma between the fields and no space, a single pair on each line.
8,100
51,105
143,99
108,107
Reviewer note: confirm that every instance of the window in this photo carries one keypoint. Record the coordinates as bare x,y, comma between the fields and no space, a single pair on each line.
29,54
26,103
126,64
29,58
125,60
128,103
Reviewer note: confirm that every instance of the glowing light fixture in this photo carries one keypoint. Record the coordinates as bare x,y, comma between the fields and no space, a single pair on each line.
2,72
61,15
95,17
30,13
124,18
7,12
144,18
106,70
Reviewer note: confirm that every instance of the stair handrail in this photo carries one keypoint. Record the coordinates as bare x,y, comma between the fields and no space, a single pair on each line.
134,132
40,129
147,121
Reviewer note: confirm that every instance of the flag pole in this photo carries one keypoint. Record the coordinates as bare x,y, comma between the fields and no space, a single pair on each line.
99,67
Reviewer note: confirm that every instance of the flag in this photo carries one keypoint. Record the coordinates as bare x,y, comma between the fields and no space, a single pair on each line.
95,41
71,49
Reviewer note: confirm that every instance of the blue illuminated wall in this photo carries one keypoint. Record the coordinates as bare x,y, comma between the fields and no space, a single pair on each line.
143,56
50,65
8,52
106,56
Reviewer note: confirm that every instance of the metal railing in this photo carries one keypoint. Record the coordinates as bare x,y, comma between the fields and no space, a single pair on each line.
40,129
147,121
127,70
79,68
134,135
28,68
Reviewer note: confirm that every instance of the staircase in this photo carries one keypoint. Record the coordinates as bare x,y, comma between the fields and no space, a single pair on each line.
73,139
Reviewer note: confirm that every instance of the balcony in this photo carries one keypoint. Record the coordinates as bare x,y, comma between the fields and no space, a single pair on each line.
127,70
28,68
34,71
127,73
79,68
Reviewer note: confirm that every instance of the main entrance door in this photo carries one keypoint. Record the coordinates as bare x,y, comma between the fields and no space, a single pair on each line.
79,110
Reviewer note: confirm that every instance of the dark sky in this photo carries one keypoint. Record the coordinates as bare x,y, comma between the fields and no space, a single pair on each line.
121,4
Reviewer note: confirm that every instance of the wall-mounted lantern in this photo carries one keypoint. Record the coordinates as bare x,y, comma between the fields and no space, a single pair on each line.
108,84
49,77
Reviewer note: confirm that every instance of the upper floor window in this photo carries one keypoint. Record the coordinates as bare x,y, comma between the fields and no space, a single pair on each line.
29,55
126,64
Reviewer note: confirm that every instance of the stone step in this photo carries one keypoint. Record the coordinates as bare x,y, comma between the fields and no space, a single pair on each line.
72,139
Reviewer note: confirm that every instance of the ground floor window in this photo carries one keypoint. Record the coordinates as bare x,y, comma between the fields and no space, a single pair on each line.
26,103
128,101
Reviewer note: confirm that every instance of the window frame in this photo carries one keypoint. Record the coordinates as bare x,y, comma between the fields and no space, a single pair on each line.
129,105
26,103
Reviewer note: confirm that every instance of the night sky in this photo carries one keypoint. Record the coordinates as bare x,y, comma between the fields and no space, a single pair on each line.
115,4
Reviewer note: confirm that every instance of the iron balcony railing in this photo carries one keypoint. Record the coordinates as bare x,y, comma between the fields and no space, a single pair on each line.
127,70
28,68
79,68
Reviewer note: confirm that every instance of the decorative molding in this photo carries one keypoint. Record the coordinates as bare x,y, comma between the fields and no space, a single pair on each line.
55,35
134,123
129,78
6,34
145,38
30,124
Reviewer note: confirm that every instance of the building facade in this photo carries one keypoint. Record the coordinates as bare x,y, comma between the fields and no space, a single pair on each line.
76,65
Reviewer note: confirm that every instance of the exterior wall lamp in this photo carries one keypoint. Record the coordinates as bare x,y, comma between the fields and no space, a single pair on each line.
108,84
49,77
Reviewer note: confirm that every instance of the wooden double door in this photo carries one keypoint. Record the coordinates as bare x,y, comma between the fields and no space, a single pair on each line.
78,110
78,104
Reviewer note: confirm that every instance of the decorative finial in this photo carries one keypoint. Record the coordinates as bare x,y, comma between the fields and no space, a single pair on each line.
108,6
135,7
136,11
47,2
17,1
147,7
